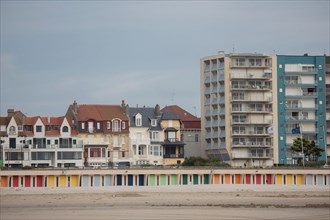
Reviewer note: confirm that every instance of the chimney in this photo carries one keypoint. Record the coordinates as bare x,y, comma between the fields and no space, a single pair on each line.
10,112
75,107
157,110
123,106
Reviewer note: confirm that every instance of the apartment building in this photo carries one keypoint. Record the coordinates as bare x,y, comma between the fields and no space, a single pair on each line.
146,135
237,108
301,103
190,130
39,141
103,130
327,67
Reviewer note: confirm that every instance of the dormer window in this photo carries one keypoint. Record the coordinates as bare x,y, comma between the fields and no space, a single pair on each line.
38,128
153,122
108,125
12,129
65,129
115,125
20,127
123,125
138,120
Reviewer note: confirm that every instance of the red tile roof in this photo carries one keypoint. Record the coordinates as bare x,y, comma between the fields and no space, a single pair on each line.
188,120
100,112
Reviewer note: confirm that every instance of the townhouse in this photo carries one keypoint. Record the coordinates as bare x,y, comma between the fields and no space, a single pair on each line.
190,130
39,141
103,130
146,136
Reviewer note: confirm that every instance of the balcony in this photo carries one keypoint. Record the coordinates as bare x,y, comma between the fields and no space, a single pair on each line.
173,156
250,133
299,83
246,144
208,113
311,71
300,107
222,111
301,118
262,76
251,156
207,91
222,89
247,110
251,87
247,64
303,95
222,77
207,80
248,122
252,99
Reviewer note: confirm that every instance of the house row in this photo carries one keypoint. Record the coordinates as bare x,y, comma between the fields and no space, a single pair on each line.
100,135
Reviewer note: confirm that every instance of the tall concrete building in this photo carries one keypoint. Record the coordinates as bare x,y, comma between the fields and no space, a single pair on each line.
327,64
301,104
237,108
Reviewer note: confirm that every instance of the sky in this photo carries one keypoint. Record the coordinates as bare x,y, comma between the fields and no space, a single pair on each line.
143,52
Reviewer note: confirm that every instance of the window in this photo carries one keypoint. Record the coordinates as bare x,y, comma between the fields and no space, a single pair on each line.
12,129
83,125
122,140
108,125
98,125
38,128
115,125
123,154
154,136
123,125
65,129
153,122
56,142
115,141
48,142
196,137
138,120
74,142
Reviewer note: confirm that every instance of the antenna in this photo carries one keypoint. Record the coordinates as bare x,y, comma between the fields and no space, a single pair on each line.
172,97
195,110
233,48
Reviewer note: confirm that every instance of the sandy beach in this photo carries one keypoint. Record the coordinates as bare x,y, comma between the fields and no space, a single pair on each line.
168,202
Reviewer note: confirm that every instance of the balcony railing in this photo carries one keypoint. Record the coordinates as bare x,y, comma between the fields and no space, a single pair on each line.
301,118
252,99
173,156
252,144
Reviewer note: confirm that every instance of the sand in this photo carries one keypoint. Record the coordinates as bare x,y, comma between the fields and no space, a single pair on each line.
168,202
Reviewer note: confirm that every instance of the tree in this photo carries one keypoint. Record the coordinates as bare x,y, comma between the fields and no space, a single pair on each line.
311,150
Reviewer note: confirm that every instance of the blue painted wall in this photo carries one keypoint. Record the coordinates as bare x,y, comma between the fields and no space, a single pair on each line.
319,63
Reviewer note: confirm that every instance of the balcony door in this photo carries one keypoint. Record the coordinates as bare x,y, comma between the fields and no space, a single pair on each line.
12,142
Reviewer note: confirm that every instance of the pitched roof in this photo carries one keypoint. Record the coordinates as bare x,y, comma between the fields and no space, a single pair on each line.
169,115
147,113
188,120
100,112
183,114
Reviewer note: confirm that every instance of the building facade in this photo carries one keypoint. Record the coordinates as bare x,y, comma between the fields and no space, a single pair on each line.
237,108
301,104
190,130
173,146
39,141
103,130
327,66
146,136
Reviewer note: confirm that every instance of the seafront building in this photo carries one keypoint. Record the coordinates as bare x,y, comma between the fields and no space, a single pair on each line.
237,108
327,68
39,141
255,105
190,130
301,104
173,146
103,130
145,135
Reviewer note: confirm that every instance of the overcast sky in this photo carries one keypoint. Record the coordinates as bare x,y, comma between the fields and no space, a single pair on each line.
147,53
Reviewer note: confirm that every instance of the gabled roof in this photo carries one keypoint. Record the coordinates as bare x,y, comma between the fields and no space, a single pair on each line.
188,120
183,114
100,112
